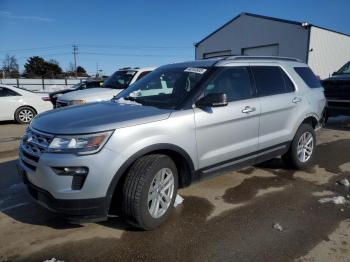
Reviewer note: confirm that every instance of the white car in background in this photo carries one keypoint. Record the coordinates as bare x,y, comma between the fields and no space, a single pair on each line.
113,85
21,105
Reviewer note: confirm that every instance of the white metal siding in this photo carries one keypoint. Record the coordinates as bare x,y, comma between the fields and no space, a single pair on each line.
330,51
248,31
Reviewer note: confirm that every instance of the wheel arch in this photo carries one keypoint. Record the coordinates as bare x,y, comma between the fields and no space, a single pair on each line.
181,158
312,120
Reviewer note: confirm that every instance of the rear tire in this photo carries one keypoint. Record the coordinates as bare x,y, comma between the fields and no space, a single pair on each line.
24,115
302,149
149,191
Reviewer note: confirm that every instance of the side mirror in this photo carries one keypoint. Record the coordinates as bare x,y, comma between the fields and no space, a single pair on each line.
334,73
212,100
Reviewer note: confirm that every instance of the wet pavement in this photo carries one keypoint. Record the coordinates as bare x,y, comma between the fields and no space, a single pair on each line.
224,218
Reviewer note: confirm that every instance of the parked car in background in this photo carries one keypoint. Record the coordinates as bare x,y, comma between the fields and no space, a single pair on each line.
21,105
80,86
117,82
337,92
136,150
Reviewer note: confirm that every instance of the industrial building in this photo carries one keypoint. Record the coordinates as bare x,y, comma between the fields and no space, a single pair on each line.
324,50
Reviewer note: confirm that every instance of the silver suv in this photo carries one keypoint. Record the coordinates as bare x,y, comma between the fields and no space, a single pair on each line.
178,124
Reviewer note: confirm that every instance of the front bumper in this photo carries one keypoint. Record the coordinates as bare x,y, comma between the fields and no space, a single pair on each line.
82,199
338,107
74,210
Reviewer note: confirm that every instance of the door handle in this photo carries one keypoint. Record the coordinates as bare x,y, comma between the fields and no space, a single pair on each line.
248,109
296,100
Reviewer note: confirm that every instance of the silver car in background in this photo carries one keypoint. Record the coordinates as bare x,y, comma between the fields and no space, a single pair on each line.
178,124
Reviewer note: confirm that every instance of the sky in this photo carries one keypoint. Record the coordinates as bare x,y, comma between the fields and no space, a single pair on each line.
114,34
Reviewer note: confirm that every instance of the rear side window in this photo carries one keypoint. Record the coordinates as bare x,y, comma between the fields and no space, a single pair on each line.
308,76
271,80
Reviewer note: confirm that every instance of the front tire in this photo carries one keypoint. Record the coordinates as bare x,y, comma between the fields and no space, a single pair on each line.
149,191
24,115
302,149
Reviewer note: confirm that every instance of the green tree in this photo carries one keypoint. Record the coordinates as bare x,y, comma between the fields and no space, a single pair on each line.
81,71
37,67
10,67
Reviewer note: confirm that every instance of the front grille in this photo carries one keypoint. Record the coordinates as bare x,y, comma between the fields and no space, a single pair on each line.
33,145
339,104
29,156
32,167
61,104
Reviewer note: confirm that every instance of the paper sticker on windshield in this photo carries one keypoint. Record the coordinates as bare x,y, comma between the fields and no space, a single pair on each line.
195,70
130,72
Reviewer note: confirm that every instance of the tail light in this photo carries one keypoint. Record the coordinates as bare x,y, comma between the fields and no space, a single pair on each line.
46,98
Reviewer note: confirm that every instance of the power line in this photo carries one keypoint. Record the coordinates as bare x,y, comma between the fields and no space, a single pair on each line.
53,47
35,48
136,46
124,54
43,55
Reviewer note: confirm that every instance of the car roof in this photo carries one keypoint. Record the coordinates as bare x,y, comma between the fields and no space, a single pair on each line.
16,89
136,69
261,59
7,86
195,63
220,61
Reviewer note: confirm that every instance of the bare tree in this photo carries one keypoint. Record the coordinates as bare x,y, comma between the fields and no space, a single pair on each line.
71,69
10,67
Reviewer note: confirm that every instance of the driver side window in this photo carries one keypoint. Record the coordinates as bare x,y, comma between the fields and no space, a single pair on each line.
233,81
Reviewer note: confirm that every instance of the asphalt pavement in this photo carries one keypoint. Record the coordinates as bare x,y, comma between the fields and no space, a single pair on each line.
261,213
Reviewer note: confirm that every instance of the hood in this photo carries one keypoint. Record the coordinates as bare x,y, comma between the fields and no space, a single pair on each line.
345,77
91,94
96,117
62,91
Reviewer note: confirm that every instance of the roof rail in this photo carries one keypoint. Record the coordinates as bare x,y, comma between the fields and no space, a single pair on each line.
280,58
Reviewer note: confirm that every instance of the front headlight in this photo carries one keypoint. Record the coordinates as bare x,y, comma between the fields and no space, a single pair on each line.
79,144
77,102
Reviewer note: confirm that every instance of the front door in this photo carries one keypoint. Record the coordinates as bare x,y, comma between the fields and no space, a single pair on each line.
229,134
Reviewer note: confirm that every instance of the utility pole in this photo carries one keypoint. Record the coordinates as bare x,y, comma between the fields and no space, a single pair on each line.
75,52
97,70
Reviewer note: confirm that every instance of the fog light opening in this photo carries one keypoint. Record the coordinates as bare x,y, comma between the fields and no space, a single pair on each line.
78,173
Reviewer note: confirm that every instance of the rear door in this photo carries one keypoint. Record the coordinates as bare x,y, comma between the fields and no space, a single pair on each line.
279,103
227,135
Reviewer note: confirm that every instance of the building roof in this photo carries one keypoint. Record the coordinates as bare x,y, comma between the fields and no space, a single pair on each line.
269,18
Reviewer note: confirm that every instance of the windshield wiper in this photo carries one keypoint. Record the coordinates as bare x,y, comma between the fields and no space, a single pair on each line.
135,99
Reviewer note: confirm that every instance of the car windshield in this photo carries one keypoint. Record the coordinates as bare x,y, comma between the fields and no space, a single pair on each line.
344,70
119,80
165,87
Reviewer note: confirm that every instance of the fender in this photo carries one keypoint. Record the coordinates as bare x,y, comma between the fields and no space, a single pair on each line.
142,152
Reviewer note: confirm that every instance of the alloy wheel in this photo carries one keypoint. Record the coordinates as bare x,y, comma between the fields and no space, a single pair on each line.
305,147
161,192
26,115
